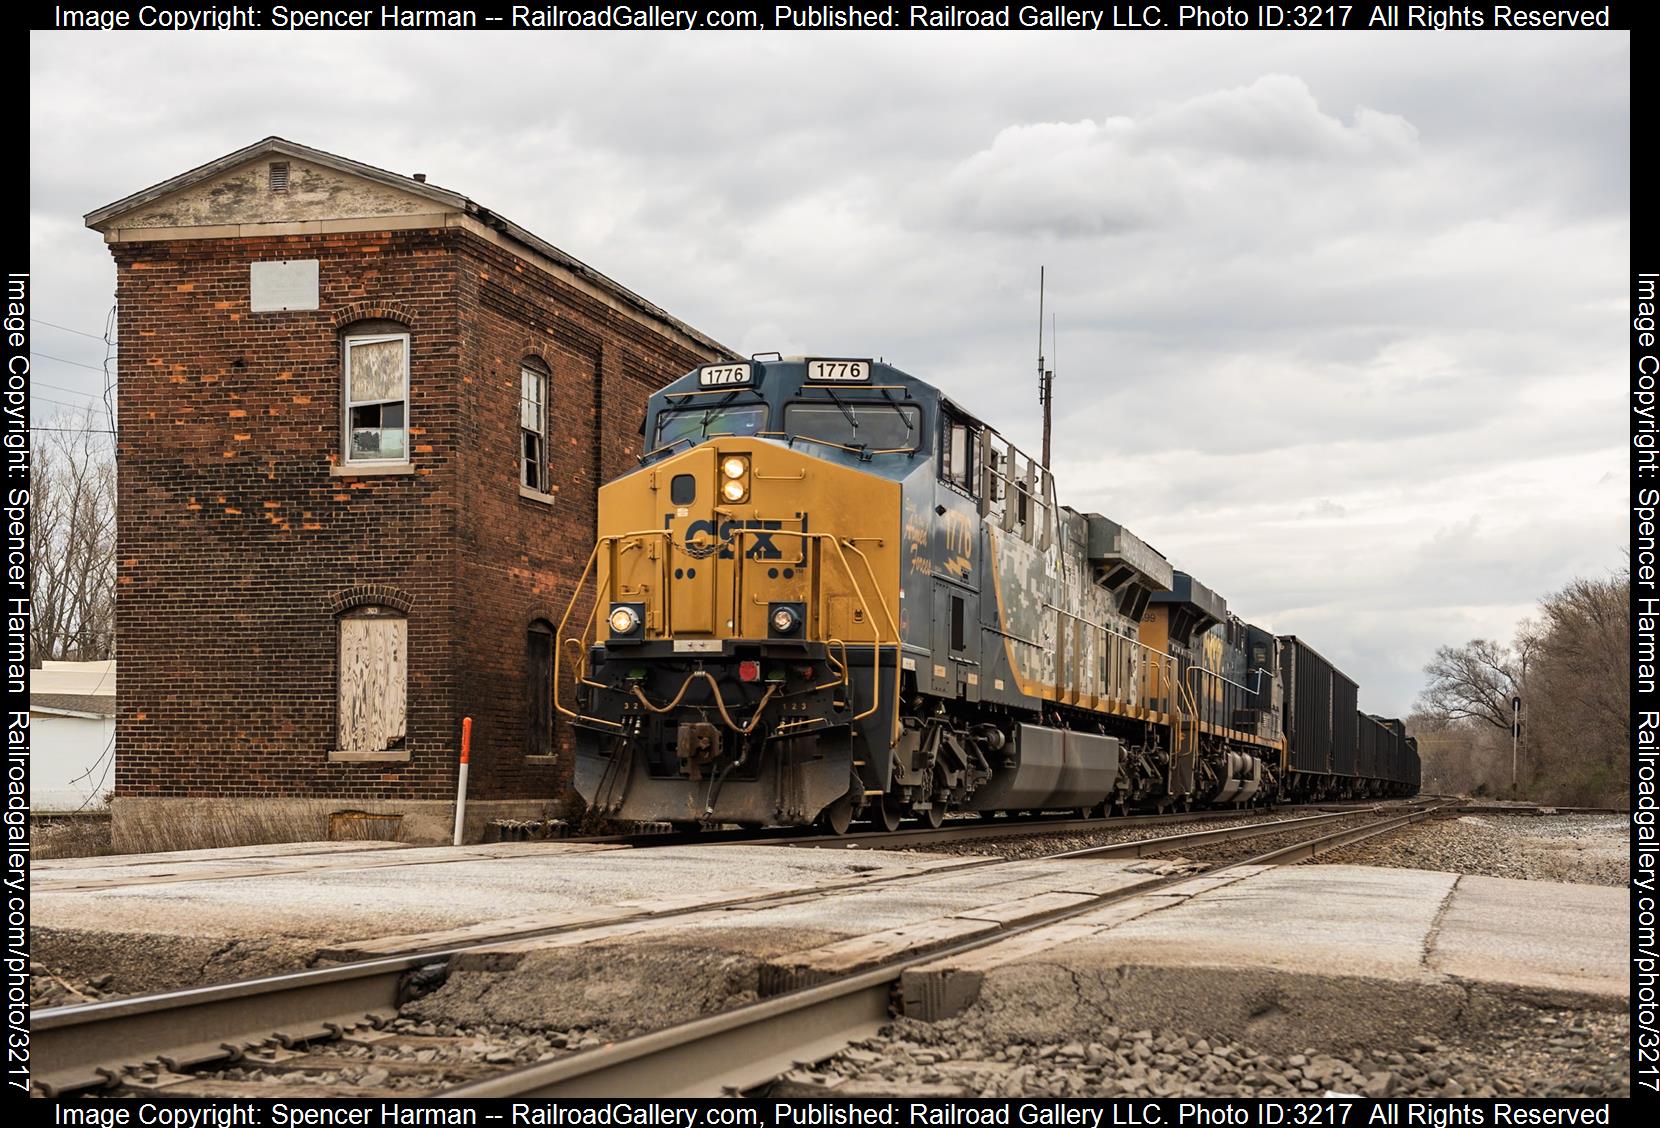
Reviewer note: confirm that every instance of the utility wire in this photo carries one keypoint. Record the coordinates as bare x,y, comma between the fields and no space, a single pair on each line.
65,403
66,360
67,329
61,388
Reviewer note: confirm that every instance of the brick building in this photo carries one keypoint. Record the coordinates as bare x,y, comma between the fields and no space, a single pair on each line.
362,421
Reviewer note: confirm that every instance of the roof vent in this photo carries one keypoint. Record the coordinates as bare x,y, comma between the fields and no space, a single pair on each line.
421,176
279,176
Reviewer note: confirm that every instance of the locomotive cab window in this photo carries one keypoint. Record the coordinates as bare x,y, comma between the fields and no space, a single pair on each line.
957,444
692,425
860,424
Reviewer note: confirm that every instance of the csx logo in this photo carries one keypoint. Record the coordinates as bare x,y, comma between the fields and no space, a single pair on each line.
760,542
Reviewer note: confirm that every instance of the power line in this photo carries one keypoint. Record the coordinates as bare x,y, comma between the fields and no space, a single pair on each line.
61,388
67,329
66,403
74,430
66,360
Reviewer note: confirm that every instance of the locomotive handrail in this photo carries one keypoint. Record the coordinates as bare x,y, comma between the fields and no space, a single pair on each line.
1220,677
790,437
841,665
887,613
1181,723
558,651
1165,663
576,594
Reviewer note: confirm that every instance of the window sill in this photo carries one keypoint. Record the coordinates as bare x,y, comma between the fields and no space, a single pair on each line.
554,759
366,469
537,495
388,755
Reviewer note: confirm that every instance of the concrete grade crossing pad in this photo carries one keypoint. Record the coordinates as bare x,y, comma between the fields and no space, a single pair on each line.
208,916
1298,956
1291,956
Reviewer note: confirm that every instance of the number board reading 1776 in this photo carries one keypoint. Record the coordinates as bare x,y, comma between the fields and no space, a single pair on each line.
838,371
725,375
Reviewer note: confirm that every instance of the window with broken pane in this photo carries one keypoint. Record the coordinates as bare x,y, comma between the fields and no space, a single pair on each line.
533,428
377,398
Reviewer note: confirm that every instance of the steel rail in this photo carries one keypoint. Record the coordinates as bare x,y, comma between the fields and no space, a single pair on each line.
745,1047
954,830
1141,847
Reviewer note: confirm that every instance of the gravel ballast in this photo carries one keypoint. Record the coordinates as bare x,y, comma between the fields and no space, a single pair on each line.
1584,849
1548,1053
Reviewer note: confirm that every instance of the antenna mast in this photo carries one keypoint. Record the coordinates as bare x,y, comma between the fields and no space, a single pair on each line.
1046,376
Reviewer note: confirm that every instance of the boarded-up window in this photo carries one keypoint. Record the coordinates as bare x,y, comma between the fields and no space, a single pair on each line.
539,689
374,674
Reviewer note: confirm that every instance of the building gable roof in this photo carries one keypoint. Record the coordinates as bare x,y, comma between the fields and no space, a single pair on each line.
395,194
100,218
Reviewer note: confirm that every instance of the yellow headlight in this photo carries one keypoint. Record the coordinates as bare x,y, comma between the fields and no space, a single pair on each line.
734,467
624,620
734,491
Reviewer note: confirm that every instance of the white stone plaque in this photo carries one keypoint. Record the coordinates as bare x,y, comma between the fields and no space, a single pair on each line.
286,284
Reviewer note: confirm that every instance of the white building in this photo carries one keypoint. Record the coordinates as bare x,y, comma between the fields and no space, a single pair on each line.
71,735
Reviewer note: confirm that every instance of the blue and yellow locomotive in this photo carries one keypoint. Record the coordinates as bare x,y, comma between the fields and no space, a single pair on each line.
831,593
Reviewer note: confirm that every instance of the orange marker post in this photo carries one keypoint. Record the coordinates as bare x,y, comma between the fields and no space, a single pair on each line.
461,777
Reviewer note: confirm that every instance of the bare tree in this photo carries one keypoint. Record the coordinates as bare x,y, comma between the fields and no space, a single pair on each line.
1476,681
1461,757
72,540
1571,667
1579,689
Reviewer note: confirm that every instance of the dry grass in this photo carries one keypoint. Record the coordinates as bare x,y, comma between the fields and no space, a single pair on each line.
84,836
209,824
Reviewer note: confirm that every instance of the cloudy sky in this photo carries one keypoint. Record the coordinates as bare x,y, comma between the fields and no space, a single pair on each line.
1340,316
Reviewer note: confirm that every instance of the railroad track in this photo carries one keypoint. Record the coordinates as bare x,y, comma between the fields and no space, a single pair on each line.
958,829
148,1041
749,1046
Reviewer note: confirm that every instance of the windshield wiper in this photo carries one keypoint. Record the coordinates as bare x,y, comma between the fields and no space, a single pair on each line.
703,424
899,411
851,422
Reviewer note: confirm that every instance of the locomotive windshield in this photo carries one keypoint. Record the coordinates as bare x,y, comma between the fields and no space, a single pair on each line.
694,424
860,424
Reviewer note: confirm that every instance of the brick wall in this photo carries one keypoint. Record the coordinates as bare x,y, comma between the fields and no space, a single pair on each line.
521,557
237,547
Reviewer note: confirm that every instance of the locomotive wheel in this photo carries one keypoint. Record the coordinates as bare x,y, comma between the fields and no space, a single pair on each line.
1088,812
934,816
838,816
886,813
